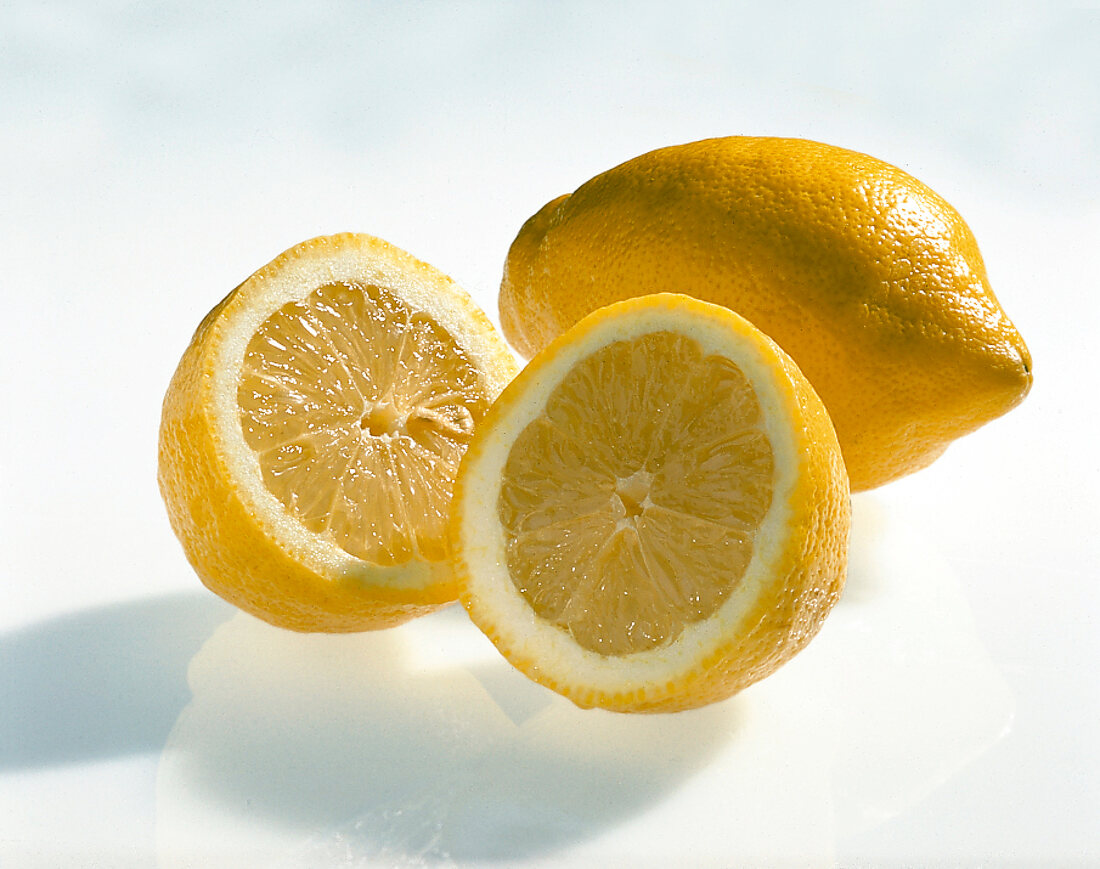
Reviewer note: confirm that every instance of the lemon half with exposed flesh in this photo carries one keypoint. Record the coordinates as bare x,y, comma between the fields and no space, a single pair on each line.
312,431
655,513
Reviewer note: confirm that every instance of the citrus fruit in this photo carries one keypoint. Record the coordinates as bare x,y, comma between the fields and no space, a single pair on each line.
654,514
311,433
870,281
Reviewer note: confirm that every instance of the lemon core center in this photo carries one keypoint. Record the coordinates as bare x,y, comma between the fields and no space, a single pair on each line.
382,419
631,494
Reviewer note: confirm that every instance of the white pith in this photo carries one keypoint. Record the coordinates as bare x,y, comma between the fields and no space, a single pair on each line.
494,596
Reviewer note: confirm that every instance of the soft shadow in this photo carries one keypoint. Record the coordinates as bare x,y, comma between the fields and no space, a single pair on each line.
413,745
100,683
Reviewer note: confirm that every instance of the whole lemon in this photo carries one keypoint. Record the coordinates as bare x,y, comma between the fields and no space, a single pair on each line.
868,279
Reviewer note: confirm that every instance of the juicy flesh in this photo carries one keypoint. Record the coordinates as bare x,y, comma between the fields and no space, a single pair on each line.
359,410
631,503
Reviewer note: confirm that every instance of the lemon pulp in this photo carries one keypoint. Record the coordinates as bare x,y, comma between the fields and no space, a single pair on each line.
359,409
630,504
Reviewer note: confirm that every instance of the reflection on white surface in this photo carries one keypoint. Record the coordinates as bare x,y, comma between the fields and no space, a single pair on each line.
357,744
420,746
916,693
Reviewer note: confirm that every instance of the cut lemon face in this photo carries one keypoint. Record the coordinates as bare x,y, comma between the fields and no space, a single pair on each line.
312,432
655,513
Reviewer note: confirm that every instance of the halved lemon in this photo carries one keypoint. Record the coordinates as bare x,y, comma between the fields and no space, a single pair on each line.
311,434
655,512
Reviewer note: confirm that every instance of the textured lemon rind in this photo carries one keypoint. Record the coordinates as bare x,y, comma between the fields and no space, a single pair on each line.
870,280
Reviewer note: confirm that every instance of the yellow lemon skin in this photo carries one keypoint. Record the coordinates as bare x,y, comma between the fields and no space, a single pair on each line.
867,278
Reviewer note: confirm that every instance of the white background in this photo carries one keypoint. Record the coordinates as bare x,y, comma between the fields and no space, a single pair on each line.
153,155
